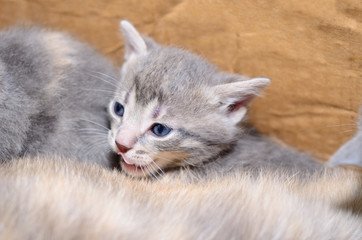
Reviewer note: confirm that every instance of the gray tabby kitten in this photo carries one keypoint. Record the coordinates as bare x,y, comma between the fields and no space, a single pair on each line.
174,110
52,96
351,152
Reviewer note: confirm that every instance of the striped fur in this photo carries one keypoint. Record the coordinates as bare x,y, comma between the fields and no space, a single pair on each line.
202,106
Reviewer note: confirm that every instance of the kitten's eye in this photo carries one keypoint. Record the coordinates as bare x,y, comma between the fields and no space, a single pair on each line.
160,130
118,109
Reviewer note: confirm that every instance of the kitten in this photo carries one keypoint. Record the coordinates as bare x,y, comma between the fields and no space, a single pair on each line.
60,199
351,152
174,110
54,93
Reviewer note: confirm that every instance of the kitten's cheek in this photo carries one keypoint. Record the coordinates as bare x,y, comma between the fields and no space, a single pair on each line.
111,142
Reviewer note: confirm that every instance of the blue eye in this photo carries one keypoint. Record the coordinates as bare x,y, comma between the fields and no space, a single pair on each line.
160,130
118,109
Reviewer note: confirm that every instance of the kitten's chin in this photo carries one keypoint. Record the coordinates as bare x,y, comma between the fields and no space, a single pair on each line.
135,170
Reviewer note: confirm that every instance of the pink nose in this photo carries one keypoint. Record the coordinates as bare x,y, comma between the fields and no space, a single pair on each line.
122,148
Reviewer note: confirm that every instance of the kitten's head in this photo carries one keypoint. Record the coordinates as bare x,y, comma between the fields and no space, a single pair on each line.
351,152
173,108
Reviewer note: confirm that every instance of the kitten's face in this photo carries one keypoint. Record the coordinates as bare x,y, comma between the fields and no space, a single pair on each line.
173,109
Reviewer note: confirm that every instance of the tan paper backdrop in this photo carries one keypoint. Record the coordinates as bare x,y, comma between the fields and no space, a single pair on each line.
311,50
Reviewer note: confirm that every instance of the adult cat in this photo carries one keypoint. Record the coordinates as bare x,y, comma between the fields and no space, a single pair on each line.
60,199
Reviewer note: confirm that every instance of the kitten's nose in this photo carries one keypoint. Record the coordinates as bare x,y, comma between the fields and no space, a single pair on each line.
122,148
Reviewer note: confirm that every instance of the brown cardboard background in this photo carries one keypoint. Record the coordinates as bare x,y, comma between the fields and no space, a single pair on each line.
311,50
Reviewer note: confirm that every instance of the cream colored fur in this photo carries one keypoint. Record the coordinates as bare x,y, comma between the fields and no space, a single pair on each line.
59,199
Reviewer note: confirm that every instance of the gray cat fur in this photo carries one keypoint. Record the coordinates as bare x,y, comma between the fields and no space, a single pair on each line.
185,84
51,87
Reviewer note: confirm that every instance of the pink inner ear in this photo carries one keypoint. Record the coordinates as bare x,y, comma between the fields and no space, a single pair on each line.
237,105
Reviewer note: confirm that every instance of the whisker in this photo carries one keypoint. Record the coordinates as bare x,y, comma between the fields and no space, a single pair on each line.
349,130
95,132
153,162
97,140
152,151
99,90
91,128
158,167
166,159
143,171
100,140
95,123
160,174
191,164
153,168
106,75
151,172
92,146
102,79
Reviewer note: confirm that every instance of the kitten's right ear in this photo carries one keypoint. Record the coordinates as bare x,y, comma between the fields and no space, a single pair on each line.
134,43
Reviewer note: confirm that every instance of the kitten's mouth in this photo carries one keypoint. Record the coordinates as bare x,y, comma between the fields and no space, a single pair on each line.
134,169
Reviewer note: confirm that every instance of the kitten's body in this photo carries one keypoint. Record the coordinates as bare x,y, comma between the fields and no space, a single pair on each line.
52,96
175,110
59,199
258,153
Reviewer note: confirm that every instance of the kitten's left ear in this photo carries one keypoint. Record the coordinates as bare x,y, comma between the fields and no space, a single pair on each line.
235,96
134,43
349,154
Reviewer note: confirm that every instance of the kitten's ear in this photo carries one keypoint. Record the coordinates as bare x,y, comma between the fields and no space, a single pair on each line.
349,154
235,96
134,43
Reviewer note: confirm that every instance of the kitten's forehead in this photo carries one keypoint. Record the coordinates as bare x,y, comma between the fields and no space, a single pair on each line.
140,115
168,72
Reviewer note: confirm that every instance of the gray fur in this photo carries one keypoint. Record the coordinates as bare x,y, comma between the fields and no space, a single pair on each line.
51,90
351,152
198,102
